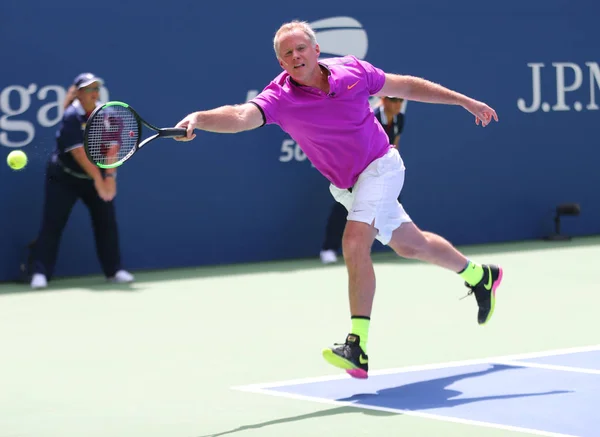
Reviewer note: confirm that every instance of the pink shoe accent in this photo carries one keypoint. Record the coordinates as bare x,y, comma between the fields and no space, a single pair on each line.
357,373
497,283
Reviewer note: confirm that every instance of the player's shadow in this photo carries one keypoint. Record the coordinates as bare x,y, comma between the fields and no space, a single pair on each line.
434,393
422,395
324,413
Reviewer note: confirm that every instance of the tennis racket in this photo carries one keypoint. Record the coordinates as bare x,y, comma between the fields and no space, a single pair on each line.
113,134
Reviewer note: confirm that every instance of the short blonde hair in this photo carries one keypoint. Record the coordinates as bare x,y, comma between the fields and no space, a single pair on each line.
293,25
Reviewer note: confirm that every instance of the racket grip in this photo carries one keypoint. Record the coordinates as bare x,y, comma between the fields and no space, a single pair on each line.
172,132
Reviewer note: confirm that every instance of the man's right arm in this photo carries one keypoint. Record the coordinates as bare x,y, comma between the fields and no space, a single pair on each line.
225,119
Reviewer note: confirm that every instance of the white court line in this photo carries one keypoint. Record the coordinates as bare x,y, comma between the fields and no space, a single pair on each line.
549,367
428,367
407,413
509,360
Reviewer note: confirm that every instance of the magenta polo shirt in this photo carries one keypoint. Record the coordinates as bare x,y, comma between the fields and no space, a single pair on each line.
337,131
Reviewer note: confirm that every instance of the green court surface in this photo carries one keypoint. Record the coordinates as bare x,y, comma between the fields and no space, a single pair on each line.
164,356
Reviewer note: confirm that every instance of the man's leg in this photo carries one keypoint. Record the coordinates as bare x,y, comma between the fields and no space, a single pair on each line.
409,241
356,245
373,212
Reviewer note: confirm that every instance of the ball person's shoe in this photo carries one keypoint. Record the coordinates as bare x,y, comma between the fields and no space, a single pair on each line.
349,356
485,292
328,256
122,277
38,281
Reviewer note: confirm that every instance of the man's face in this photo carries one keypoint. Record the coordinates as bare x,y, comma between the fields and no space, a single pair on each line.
297,55
88,96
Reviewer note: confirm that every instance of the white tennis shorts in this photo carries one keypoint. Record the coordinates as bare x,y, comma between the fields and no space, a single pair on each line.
374,197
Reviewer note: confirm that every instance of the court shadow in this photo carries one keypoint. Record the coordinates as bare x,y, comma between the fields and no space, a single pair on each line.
422,395
108,287
93,284
324,413
434,393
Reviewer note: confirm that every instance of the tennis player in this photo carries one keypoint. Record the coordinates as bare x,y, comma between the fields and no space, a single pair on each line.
323,105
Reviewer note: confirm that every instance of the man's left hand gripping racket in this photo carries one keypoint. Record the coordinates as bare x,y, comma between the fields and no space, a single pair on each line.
113,131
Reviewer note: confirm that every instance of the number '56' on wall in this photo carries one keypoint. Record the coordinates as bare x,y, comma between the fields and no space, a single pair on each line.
290,151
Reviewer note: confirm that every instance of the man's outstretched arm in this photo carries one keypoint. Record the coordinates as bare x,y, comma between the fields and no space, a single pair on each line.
225,119
422,90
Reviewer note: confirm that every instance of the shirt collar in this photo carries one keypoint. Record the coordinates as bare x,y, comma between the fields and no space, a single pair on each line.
329,78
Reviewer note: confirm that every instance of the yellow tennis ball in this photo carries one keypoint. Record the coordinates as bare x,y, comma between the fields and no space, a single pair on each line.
16,159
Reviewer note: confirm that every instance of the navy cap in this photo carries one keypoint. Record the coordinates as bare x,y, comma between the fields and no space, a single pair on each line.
85,79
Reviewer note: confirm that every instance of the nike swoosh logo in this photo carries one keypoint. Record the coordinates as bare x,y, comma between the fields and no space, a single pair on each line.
352,86
362,361
488,286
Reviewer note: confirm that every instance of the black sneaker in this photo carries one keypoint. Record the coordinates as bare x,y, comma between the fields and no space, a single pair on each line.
485,292
349,356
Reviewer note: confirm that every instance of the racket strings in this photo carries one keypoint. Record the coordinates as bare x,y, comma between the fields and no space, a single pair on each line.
112,136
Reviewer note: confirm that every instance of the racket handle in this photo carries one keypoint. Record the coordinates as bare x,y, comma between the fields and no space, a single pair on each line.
172,132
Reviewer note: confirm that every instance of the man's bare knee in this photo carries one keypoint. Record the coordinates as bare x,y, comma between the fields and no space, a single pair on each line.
409,242
412,249
407,251
357,241
355,245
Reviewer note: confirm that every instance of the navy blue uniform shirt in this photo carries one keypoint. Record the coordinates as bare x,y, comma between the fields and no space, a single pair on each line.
395,128
70,136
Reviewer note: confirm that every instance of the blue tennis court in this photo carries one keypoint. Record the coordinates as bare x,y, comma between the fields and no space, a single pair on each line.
553,394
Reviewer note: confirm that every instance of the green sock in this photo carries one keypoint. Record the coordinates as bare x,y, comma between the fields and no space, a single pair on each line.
472,273
360,327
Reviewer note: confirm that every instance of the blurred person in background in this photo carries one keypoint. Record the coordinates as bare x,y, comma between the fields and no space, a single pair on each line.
70,176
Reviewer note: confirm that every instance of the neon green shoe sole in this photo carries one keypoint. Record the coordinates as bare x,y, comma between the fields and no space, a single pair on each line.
357,370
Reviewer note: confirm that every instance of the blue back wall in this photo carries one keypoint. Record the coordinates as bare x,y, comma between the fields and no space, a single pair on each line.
253,196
